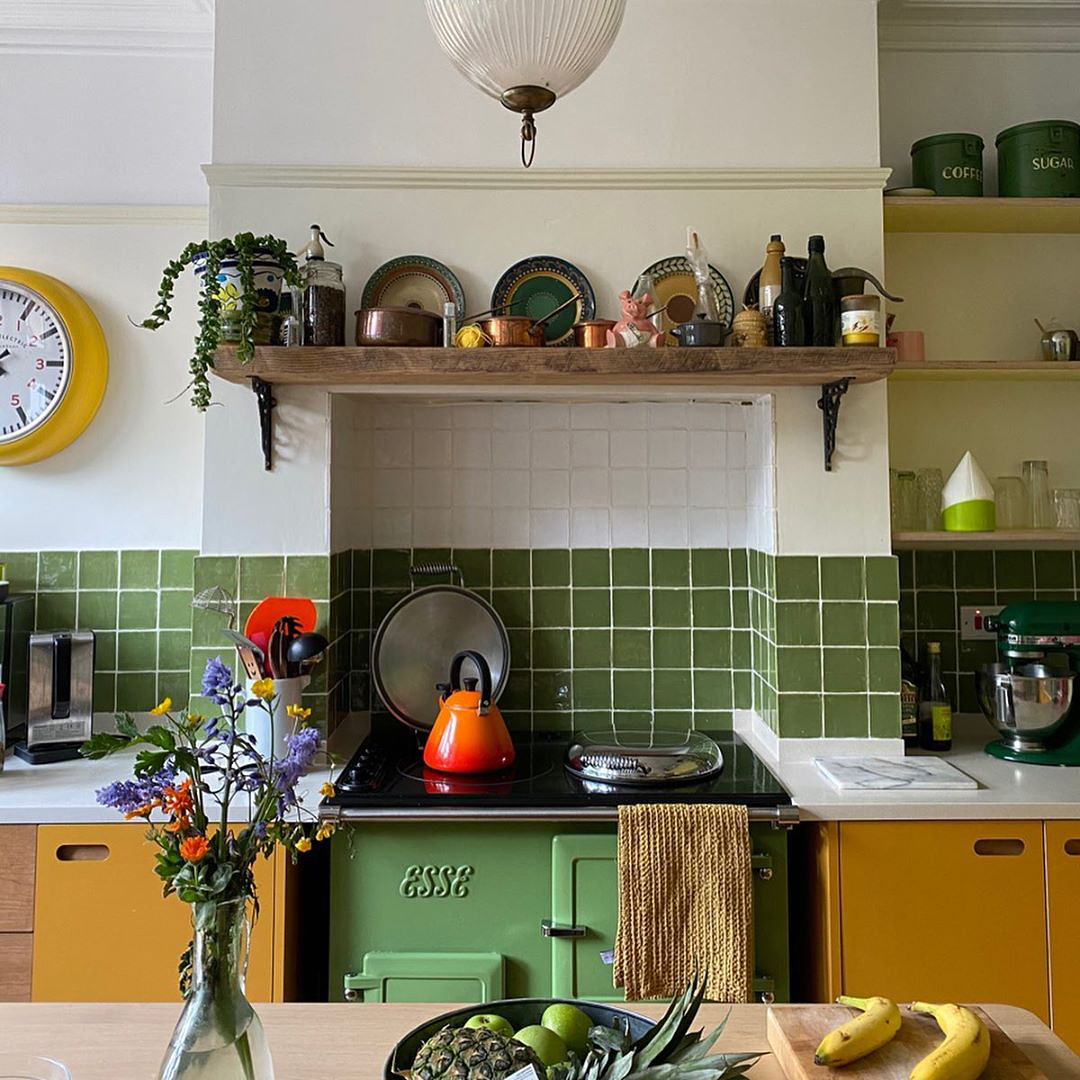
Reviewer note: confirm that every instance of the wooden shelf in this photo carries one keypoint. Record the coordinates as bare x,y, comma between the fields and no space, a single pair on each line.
1003,538
1008,371
945,214
342,368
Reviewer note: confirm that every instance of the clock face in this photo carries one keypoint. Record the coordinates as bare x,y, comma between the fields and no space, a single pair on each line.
35,360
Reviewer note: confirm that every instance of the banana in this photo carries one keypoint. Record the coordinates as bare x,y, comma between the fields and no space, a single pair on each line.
862,1035
965,1050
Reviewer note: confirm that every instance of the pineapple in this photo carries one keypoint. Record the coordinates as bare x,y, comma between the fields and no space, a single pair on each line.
471,1054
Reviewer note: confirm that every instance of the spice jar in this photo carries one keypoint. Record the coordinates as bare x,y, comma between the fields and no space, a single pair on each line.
860,320
323,294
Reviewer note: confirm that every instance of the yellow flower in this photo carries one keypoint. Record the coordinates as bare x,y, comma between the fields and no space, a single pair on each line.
303,844
263,688
324,831
162,708
328,790
297,712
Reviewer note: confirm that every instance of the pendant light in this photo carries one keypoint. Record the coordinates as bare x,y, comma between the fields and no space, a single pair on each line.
526,53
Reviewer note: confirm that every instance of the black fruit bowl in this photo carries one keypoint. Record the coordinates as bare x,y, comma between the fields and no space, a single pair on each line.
519,1011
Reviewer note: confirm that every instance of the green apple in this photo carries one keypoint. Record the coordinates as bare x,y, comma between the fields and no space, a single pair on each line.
570,1024
544,1043
491,1022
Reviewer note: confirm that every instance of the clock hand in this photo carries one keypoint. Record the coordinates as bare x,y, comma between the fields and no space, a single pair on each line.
6,352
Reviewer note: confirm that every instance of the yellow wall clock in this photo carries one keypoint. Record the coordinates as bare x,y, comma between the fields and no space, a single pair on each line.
54,364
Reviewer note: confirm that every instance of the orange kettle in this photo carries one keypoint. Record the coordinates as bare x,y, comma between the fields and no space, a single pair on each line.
469,735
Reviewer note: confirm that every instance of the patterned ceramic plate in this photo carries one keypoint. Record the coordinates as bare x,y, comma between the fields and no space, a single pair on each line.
414,281
540,284
674,277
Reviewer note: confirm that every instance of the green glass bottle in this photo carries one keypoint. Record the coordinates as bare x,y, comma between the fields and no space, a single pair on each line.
789,314
822,309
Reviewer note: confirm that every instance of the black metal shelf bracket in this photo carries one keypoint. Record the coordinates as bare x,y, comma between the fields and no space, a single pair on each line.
829,404
264,393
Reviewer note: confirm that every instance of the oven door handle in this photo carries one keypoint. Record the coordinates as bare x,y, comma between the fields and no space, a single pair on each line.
550,929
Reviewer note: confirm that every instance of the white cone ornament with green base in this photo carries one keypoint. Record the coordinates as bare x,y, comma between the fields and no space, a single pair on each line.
967,500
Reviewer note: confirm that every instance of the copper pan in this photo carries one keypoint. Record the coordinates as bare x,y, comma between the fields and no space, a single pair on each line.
513,331
592,334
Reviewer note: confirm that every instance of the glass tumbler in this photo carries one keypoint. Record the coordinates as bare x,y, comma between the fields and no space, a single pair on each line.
1011,503
930,483
1067,508
905,502
1041,510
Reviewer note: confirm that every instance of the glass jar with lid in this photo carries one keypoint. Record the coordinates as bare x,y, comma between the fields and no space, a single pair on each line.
323,292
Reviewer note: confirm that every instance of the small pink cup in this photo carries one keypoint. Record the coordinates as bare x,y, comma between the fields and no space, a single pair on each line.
910,346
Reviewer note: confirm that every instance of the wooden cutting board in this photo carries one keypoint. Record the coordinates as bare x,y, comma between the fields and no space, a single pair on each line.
794,1032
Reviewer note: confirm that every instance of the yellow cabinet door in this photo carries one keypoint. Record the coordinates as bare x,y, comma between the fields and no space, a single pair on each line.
103,931
945,911
1063,907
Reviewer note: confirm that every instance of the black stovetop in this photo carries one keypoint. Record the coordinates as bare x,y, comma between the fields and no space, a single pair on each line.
387,771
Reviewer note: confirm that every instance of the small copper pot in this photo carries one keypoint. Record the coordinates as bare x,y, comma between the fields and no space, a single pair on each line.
592,334
510,331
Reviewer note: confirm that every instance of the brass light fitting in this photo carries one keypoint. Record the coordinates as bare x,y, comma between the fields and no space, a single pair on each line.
527,100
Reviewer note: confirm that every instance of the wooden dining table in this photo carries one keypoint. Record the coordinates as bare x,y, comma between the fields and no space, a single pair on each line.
352,1042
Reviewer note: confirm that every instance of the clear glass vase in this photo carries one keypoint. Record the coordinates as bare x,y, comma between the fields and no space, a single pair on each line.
218,1035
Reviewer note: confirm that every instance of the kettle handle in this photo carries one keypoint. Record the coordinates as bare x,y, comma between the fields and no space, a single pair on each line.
483,670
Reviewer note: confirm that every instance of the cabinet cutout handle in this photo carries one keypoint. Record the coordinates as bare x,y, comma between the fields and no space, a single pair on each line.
1072,847
999,847
82,852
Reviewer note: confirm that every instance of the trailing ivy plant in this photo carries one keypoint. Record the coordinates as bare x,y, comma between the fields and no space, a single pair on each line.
244,247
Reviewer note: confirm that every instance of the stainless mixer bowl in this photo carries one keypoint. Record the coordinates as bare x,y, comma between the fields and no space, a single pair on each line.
1026,707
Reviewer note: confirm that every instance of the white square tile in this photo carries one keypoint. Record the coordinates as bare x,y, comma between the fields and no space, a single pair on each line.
551,449
736,488
511,416
510,528
431,527
708,528
511,449
431,448
388,415
392,528
589,448
736,449
590,528
667,449
511,488
629,416
667,487
737,530
708,448
472,449
470,527
430,416
550,488
706,415
590,487
549,528
393,488
393,449
550,416
629,449
667,414
629,487
629,527
590,416
708,488
669,527
432,487
473,416
471,487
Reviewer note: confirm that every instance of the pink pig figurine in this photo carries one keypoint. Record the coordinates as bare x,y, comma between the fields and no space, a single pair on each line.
633,328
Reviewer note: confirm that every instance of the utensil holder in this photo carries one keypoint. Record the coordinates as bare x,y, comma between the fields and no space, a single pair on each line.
268,730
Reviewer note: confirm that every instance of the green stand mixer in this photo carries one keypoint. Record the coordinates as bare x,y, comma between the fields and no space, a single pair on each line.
1029,695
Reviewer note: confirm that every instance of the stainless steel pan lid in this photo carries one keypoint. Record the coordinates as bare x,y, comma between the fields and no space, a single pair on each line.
419,637
642,757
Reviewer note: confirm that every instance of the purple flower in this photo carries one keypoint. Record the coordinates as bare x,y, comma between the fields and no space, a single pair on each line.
259,830
127,796
301,748
217,681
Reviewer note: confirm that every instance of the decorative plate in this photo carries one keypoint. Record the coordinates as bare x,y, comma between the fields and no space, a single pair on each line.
414,281
538,285
675,276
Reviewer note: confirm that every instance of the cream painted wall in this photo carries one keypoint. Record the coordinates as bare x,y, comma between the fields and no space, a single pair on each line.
134,478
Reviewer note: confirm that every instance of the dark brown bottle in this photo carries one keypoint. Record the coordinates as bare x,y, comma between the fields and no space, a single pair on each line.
789,316
909,699
935,712
822,309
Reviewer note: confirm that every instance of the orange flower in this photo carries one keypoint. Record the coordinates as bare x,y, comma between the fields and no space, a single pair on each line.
179,824
194,849
177,801
142,811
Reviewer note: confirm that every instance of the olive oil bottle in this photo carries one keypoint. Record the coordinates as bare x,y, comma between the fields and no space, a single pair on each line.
822,309
935,712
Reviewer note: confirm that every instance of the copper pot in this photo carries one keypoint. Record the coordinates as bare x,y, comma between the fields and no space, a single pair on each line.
398,326
510,331
592,334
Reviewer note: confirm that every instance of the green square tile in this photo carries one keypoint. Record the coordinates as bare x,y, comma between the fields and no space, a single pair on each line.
552,721
712,648
390,568
518,692
97,610
712,690
511,567
591,607
551,607
139,569
520,647
710,566
934,570
99,569
19,569
713,719
592,649
841,577
104,692
631,648
671,648
56,611
551,690
1053,570
513,606
882,624
217,570
798,622
884,670
843,623
740,608
671,607
885,716
967,700
340,572
629,566
105,651
592,690
1014,569
740,570
974,569
308,575
799,716
905,564
475,564
631,607
740,650
632,689
136,691
57,570
844,670
178,569
882,582
907,610
935,610
670,568
797,577
672,689
138,611
712,607
590,568
551,649
846,716
550,567
174,650
798,669
742,689
173,685
973,654
261,576
361,568
136,650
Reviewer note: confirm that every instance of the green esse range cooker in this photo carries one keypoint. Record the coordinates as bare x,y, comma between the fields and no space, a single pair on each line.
469,889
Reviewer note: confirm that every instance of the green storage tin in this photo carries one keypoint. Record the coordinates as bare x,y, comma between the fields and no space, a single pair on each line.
949,164
1039,159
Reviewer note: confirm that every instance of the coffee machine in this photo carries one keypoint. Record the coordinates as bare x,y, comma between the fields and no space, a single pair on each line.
1030,696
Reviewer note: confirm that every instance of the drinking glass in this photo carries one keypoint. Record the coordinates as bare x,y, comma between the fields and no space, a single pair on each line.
905,502
25,1067
1067,508
930,483
1037,478
1011,503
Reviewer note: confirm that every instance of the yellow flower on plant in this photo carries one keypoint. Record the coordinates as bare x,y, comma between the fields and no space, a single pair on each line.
162,708
328,790
297,712
324,831
264,689
303,844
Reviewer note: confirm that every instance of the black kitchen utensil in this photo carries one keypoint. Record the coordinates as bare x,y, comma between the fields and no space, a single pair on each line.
307,649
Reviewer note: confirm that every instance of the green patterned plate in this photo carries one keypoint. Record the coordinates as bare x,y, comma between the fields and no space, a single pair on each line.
540,284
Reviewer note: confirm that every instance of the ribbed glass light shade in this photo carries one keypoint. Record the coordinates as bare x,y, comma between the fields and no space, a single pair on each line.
497,44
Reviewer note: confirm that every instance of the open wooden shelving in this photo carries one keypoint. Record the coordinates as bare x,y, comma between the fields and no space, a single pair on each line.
1002,538
946,214
1003,370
